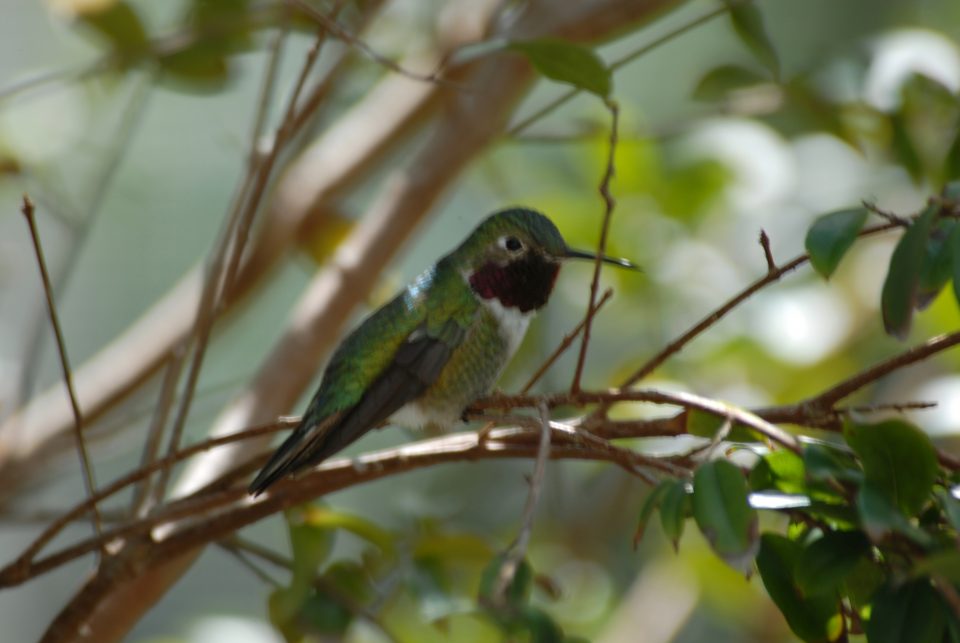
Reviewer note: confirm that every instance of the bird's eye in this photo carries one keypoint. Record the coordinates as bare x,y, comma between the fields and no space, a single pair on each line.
512,244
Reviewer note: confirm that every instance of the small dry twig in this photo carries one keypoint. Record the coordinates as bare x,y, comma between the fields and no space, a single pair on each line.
88,477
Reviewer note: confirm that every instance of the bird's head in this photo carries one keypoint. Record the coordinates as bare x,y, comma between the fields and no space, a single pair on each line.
514,256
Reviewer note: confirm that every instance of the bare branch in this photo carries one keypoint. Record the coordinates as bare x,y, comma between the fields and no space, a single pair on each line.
609,204
88,477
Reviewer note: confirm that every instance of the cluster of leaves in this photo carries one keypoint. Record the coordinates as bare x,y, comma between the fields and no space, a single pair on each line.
871,544
443,576
195,57
926,258
874,520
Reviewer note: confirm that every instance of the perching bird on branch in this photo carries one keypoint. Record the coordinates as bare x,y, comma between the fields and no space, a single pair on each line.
422,358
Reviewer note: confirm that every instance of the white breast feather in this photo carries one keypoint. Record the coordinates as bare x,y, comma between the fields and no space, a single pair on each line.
513,323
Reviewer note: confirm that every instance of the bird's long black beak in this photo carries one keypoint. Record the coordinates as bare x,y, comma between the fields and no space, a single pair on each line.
614,261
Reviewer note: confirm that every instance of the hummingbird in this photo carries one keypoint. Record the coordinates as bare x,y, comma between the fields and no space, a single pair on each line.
441,343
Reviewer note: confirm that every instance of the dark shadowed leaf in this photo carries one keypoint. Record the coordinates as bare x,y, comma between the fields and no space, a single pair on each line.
903,276
831,235
898,460
723,513
826,561
674,511
566,62
720,81
807,614
944,563
199,68
951,507
748,23
937,266
954,243
952,162
651,503
909,612
823,462
879,516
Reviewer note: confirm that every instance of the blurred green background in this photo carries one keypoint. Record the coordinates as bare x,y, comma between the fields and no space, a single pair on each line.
697,178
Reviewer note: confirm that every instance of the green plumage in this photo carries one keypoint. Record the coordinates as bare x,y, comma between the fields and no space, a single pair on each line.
441,343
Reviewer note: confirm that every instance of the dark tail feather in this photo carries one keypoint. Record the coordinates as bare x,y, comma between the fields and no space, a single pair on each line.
308,447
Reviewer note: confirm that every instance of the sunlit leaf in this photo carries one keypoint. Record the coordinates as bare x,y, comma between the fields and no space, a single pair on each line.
831,235
720,81
327,518
310,546
807,614
898,460
910,612
748,23
900,287
723,513
568,63
782,470
825,562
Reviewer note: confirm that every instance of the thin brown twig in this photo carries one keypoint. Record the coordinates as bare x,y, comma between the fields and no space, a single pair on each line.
767,252
518,550
241,557
609,204
335,28
565,343
226,256
138,474
88,477
719,313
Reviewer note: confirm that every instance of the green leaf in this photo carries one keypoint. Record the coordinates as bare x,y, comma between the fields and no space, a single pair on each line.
651,503
723,513
952,162
568,63
120,25
951,507
310,545
825,562
937,266
900,287
910,612
944,563
720,81
898,460
879,516
808,615
748,23
782,470
831,235
904,148
954,243
541,626
201,67
326,518
674,511
823,462
517,592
